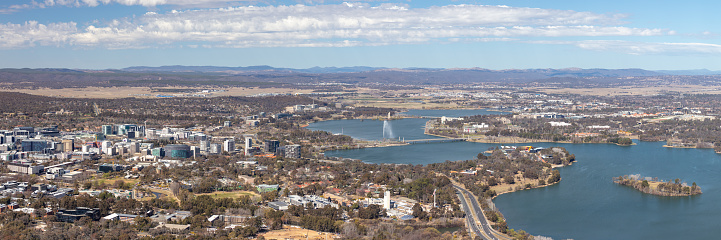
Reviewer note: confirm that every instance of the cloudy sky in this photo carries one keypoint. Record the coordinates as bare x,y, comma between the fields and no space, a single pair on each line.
496,34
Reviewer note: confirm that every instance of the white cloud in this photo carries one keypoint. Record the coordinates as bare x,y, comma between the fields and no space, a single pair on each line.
312,26
639,48
32,33
95,3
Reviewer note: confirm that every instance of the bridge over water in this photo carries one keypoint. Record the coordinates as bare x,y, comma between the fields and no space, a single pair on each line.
434,140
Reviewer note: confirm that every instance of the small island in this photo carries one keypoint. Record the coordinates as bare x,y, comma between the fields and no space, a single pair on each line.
653,186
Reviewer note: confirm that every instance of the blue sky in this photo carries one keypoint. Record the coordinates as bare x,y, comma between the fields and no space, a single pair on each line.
494,34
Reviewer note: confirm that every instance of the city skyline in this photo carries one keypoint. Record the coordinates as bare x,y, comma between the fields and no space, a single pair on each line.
101,34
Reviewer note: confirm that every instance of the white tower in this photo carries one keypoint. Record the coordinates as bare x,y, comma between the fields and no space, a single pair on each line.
434,197
387,200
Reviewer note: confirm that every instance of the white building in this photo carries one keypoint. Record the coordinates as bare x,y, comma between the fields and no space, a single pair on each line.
229,145
248,145
559,124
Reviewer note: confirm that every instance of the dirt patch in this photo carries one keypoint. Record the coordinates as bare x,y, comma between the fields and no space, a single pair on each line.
293,232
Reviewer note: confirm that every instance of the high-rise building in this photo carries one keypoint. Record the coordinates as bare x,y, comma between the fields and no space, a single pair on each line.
68,145
292,151
204,145
158,152
125,128
194,151
105,145
271,145
229,145
135,147
248,145
107,129
215,148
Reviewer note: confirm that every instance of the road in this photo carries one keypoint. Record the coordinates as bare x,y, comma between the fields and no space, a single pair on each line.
469,217
488,232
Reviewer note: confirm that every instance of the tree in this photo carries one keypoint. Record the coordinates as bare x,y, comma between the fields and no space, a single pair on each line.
419,213
625,141
269,196
142,223
105,195
274,219
501,227
510,179
492,181
370,212
644,184
555,176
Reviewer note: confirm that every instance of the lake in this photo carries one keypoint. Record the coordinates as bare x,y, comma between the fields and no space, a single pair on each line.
586,204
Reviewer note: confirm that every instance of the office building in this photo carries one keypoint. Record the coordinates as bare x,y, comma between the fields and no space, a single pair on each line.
107,129
105,146
204,145
125,128
25,168
215,148
158,152
292,151
134,147
177,151
34,145
229,145
70,216
248,145
68,145
194,151
271,146
24,131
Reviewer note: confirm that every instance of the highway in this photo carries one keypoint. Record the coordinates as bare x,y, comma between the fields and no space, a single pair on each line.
488,232
469,217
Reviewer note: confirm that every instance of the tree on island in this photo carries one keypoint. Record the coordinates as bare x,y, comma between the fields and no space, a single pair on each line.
670,188
624,141
555,177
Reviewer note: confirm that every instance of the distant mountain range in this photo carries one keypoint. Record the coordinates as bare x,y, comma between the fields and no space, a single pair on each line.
205,69
565,72
267,76
689,72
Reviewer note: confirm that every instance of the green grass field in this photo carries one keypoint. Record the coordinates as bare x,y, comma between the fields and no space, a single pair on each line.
234,194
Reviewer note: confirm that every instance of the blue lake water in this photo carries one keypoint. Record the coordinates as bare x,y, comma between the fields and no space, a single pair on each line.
586,204
407,128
